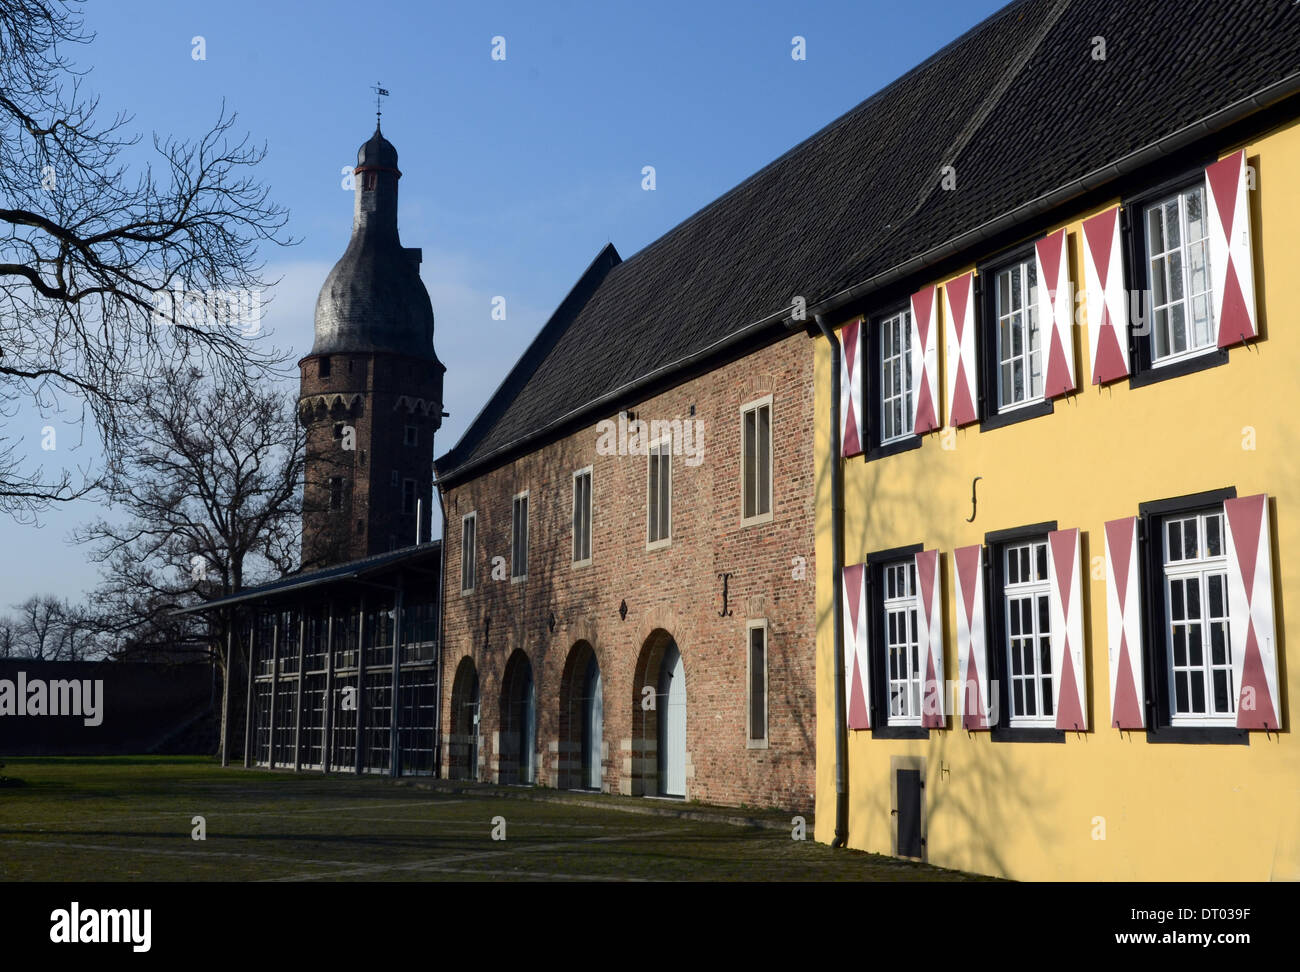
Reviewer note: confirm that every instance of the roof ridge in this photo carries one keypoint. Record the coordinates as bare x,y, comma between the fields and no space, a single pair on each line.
953,152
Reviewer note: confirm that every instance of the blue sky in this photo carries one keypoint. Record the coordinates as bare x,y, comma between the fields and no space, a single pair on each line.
515,172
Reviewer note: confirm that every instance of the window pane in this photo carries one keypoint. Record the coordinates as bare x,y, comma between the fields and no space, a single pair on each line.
764,460
653,502
1213,540
750,484
757,685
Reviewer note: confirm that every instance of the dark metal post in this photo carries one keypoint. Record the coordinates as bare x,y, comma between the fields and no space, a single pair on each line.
225,696
394,765
361,680
297,704
275,690
248,705
328,705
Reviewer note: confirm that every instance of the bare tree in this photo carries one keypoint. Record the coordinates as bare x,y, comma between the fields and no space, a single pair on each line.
39,620
211,492
8,637
107,274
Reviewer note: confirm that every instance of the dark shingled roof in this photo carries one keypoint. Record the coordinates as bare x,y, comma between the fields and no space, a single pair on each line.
1018,106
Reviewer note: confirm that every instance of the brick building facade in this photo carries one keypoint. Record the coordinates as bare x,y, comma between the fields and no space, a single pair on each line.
563,612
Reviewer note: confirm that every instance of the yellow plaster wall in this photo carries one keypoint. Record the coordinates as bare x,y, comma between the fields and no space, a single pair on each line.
1030,810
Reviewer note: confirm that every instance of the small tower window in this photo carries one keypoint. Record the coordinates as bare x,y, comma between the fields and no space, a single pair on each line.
338,430
370,180
336,492
395,479
412,436
324,367
408,495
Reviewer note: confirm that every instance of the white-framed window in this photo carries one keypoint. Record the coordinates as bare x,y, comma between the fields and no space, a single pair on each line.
659,494
1178,267
756,668
1019,342
468,551
519,536
756,461
1201,689
582,516
1027,604
902,643
896,377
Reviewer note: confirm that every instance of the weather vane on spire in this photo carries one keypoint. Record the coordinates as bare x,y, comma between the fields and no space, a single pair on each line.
380,92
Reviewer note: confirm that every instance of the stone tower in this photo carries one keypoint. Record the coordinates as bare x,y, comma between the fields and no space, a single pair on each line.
371,392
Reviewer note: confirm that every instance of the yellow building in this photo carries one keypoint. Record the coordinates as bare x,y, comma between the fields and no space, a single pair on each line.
1068,546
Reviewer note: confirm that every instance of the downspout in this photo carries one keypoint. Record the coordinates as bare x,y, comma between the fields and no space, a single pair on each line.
437,668
837,582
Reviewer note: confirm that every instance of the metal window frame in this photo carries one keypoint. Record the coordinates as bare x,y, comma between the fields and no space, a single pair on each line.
473,559
514,538
651,455
750,741
765,401
588,472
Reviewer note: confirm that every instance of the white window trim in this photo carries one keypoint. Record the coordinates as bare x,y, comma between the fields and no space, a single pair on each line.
1035,589
528,512
771,462
900,603
471,515
1199,567
1179,194
668,540
591,516
750,742
1029,307
903,314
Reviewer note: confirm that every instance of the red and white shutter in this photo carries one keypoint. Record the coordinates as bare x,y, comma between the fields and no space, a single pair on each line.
930,638
1065,602
1232,272
972,659
856,672
851,423
1056,312
925,360
1107,314
1250,612
959,328
1124,624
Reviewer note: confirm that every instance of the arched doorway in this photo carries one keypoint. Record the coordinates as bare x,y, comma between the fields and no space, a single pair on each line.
659,713
582,717
672,723
518,750
462,741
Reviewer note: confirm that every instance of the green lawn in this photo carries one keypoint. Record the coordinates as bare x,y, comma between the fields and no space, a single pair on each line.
129,818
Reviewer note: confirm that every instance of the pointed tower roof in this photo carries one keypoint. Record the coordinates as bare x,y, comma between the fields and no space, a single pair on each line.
374,300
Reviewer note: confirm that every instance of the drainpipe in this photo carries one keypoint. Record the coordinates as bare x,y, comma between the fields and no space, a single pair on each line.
837,602
438,656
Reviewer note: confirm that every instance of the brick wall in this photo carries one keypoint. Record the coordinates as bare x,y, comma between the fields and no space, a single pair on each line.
673,592
377,395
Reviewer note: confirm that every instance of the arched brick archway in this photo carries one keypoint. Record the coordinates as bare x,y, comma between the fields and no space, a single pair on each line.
517,738
660,759
463,737
581,721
